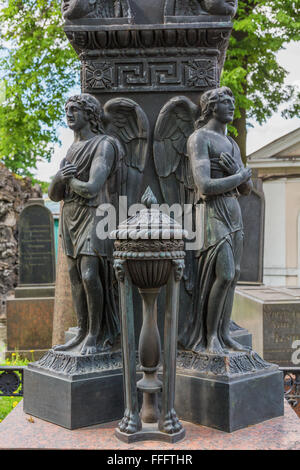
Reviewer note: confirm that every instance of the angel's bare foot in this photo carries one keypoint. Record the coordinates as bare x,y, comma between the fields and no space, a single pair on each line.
72,343
214,346
90,345
232,344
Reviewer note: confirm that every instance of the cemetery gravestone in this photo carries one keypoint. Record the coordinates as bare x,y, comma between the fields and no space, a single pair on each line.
272,315
36,251
30,310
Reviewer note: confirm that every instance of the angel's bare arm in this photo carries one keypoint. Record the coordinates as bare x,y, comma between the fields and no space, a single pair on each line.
99,172
200,163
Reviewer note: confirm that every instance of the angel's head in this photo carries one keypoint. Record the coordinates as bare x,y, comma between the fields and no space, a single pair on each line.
73,9
76,9
218,103
84,108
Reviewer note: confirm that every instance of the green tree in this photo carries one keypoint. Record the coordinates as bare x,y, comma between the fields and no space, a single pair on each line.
261,29
38,68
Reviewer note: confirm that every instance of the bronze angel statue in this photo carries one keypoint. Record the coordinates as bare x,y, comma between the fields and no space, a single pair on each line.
197,162
78,9
105,161
200,7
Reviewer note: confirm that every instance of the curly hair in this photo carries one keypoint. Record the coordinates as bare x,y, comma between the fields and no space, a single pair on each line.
93,109
208,101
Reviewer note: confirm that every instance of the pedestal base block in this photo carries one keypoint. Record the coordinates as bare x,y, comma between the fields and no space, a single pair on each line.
150,432
231,401
87,391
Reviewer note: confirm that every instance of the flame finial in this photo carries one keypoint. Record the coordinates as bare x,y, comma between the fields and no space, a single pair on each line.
148,198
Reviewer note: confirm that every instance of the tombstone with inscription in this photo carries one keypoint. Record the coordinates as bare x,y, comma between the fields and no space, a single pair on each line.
30,312
272,315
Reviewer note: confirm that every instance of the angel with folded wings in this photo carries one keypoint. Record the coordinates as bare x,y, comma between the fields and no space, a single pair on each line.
105,161
79,9
200,7
197,162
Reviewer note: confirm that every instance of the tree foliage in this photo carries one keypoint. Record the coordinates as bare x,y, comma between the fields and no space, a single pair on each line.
261,29
38,68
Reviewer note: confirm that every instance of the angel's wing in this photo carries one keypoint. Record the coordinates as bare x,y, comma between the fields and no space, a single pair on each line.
175,123
128,123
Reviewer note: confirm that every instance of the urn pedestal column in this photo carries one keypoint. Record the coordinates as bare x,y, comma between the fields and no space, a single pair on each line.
149,261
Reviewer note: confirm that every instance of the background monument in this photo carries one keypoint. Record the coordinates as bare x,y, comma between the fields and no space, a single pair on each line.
30,312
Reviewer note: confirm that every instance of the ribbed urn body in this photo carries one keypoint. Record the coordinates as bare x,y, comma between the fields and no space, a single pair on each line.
149,262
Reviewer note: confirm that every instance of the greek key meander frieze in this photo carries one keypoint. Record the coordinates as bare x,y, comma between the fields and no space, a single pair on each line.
150,75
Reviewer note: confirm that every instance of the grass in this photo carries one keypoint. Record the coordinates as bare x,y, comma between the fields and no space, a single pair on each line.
7,404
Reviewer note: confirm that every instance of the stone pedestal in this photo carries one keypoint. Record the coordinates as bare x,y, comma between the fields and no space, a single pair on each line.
272,315
225,393
60,388
228,392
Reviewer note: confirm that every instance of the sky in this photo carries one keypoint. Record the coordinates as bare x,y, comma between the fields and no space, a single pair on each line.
258,136
276,126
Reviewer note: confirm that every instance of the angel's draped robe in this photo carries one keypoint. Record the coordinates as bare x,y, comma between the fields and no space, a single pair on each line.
79,220
221,222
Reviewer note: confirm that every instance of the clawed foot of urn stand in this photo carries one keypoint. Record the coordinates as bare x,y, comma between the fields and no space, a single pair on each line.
170,424
131,423
130,429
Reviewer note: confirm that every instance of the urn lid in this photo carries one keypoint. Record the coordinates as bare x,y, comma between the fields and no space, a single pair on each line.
149,224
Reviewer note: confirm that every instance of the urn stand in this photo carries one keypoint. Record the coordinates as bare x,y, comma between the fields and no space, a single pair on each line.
149,254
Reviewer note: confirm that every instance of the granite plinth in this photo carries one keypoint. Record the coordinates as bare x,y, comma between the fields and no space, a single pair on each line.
19,431
227,392
75,391
29,323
